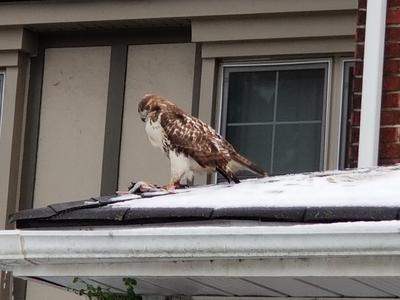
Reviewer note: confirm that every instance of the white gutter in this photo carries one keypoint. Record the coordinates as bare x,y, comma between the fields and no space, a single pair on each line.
26,252
372,83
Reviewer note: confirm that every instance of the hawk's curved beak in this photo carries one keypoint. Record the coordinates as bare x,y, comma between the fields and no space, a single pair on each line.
143,115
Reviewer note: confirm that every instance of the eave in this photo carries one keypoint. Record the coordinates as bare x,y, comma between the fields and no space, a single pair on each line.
55,252
244,245
325,253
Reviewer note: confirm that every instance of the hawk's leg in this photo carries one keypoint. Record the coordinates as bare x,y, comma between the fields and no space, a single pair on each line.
179,167
228,174
171,186
175,182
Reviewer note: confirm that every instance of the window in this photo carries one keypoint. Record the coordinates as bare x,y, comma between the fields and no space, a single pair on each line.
348,67
276,114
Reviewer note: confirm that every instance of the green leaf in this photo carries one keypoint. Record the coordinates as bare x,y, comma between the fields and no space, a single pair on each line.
99,293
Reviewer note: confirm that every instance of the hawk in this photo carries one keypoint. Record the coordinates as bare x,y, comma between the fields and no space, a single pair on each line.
191,145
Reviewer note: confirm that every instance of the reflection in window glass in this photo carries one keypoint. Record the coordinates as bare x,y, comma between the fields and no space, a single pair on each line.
275,115
300,95
243,138
297,148
258,88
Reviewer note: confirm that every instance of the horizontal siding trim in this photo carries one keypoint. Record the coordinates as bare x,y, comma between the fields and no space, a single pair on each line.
58,12
344,44
274,27
17,38
9,58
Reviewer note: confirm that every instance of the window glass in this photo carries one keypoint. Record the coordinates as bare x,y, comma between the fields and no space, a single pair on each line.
297,148
300,94
275,115
251,96
253,141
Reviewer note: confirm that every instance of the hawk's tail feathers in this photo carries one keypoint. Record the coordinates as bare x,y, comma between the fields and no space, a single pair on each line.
241,163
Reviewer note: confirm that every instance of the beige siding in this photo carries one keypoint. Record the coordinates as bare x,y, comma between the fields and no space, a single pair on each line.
263,48
11,38
72,123
9,58
40,291
207,103
6,134
71,136
68,12
274,27
15,67
166,70
11,138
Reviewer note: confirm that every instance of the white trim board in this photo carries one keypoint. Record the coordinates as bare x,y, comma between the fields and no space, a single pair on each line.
340,249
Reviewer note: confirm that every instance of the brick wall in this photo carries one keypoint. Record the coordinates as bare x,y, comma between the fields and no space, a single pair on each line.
389,148
355,102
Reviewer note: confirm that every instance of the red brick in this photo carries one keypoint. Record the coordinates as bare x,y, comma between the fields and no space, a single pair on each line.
393,3
391,66
355,133
393,16
360,34
392,34
355,118
361,17
358,68
359,51
391,83
392,49
353,153
356,101
351,164
357,85
362,3
389,150
390,117
391,100
390,134
388,161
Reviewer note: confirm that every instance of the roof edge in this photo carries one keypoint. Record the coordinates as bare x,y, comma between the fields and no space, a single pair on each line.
359,239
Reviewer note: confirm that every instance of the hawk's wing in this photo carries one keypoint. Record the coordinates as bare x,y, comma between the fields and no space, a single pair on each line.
195,139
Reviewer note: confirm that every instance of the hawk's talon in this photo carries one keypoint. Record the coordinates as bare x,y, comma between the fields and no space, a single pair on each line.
172,186
120,193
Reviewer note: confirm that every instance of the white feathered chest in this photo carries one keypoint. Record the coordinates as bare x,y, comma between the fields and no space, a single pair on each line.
156,133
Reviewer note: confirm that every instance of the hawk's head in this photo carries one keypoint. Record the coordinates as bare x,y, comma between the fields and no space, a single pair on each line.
151,103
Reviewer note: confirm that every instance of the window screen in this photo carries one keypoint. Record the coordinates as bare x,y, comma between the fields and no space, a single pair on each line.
275,115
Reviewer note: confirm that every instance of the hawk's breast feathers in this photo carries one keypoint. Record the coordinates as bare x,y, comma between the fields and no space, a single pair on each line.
156,133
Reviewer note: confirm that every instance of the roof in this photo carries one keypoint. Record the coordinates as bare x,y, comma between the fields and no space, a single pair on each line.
225,259
336,196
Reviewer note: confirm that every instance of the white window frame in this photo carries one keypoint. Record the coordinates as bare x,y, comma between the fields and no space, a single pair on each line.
343,122
2,89
326,107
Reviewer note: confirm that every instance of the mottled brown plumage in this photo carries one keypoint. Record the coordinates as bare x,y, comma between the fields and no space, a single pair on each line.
190,144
